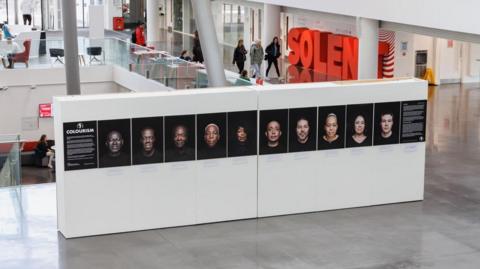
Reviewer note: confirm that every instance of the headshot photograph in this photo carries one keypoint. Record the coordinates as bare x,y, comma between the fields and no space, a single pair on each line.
273,131
180,138
359,125
242,133
331,127
147,140
211,136
386,123
114,143
303,129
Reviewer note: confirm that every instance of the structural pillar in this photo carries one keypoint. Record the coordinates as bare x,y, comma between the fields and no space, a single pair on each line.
271,24
208,39
367,32
153,31
70,44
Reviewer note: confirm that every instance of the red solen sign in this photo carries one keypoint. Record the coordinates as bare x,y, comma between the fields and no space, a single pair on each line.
331,56
45,110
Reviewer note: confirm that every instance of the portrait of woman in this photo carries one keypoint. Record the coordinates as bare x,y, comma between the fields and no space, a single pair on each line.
331,127
360,125
242,133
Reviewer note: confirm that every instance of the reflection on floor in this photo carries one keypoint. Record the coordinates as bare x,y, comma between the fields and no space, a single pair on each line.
35,175
441,232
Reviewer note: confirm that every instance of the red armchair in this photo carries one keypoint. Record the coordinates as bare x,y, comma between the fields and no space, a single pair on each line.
24,56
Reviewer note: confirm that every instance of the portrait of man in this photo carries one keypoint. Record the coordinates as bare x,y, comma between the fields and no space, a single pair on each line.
147,134
359,130
303,129
180,143
116,143
242,138
274,135
211,136
331,127
387,123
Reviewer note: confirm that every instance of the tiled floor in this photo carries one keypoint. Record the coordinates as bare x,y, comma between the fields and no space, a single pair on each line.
443,231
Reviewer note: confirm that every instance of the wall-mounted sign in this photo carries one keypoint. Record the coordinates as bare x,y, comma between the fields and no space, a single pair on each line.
80,145
45,110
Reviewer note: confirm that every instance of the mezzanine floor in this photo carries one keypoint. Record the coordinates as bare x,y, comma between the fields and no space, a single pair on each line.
443,231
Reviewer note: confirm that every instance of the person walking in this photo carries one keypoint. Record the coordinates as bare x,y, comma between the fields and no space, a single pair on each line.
240,56
27,8
140,34
197,49
256,58
273,53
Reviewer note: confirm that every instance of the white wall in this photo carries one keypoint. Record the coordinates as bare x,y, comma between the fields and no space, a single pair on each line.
404,58
338,24
111,10
19,102
27,88
448,15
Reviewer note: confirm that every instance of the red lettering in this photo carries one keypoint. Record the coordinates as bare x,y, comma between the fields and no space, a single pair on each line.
335,50
350,58
294,44
320,55
306,49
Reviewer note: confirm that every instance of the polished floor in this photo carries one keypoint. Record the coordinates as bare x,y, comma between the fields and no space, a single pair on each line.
443,231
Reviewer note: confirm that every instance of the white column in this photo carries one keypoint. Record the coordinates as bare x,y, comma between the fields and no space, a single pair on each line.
153,32
367,31
271,23
208,39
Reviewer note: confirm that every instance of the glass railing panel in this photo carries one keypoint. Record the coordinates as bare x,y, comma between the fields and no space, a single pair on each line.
10,148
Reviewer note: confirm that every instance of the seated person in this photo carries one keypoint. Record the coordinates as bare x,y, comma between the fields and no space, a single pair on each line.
184,56
243,80
43,150
6,31
13,48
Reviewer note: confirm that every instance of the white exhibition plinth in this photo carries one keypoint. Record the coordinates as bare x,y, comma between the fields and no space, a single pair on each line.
138,197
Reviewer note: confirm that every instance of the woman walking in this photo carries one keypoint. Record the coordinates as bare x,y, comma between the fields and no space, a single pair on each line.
256,58
273,53
240,56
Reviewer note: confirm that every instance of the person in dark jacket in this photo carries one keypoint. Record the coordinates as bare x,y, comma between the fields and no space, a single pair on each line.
43,150
184,56
240,56
197,49
273,53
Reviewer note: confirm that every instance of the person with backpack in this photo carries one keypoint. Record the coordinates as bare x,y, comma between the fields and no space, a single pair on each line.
273,53
240,56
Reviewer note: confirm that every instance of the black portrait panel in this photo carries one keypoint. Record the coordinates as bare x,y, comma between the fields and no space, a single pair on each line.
242,133
303,129
273,131
414,121
147,140
386,123
180,138
359,125
211,136
331,127
114,143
